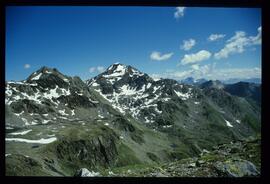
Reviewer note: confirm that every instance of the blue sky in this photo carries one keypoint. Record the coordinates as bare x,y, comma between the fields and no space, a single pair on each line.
166,42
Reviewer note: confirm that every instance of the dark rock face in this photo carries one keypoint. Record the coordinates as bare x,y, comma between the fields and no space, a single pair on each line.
30,106
77,101
123,124
246,90
99,150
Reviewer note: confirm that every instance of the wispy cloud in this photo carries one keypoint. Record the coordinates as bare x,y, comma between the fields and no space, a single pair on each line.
188,44
180,11
92,69
214,37
26,66
100,69
157,56
238,43
197,57
97,69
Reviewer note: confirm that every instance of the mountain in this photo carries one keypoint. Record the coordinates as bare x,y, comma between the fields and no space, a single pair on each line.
235,80
212,84
246,90
57,125
192,81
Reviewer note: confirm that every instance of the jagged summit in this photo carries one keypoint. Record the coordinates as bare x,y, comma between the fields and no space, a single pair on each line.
44,71
118,73
49,77
118,69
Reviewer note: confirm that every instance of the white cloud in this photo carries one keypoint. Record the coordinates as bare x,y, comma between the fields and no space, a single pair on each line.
242,73
211,73
214,37
92,69
100,69
179,12
26,66
197,57
157,56
195,67
257,40
238,43
188,44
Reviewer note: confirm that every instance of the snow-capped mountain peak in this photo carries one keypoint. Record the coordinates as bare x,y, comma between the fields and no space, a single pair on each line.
118,70
49,78
134,92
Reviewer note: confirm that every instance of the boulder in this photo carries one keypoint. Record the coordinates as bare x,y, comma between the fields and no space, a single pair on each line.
237,168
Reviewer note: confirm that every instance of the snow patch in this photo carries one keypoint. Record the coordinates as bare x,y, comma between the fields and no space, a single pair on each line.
167,126
62,112
228,123
37,77
155,89
66,80
18,114
183,96
40,141
100,116
119,71
95,84
86,173
21,133
127,91
156,79
45,121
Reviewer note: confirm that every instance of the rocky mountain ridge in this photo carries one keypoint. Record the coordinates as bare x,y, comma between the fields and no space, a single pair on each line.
122,117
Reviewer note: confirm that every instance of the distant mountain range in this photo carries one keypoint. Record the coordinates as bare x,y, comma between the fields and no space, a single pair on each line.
192,81
248,90
57,125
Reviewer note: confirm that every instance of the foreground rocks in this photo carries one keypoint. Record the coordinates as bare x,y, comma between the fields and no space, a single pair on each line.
223,161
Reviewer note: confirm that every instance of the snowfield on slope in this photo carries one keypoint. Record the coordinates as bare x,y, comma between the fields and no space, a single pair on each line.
40,141
228,123
21,133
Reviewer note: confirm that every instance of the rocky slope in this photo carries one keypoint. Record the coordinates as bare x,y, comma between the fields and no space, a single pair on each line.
246,90
235,159
60,125
178,109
